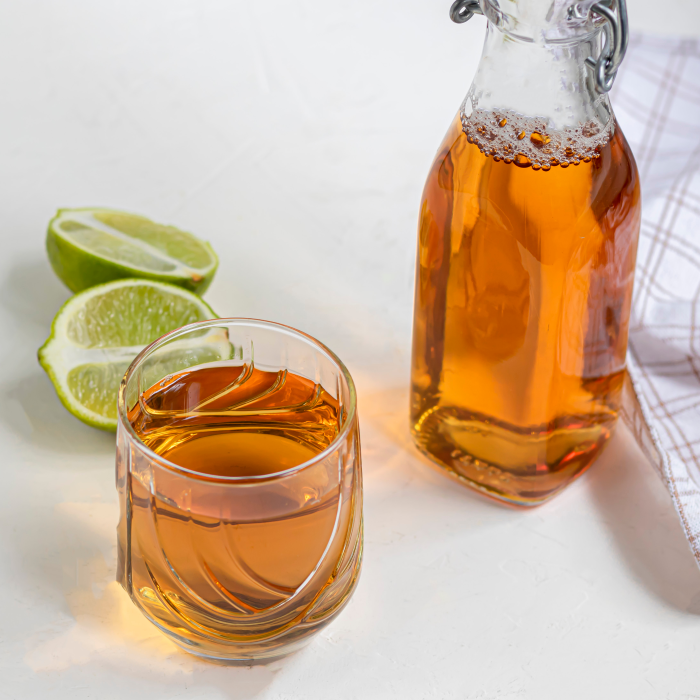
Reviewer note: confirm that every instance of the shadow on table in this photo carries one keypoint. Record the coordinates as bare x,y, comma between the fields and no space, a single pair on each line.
29,406
640,516
629,495
32,292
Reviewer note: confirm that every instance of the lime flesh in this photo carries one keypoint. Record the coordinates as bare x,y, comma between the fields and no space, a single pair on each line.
87,247
97,333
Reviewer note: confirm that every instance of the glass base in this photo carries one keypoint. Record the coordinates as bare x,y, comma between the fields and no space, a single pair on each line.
254,656
252,653
271,644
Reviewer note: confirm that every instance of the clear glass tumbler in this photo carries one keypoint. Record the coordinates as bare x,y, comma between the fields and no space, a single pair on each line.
240,487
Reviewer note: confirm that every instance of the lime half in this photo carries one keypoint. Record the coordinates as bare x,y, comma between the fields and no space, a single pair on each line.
93,246
97,333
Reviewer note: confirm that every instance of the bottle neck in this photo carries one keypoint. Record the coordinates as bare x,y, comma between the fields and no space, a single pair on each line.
544,80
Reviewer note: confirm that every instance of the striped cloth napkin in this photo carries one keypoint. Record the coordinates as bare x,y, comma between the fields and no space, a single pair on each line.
657,103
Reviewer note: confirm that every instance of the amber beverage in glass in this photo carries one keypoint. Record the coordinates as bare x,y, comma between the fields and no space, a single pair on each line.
239,476
526,253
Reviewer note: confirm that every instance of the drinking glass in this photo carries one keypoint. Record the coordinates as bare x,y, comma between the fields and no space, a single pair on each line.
241,566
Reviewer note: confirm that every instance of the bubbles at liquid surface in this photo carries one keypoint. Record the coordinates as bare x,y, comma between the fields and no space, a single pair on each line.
528,142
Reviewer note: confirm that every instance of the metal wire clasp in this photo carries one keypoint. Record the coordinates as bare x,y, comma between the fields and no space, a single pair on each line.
463,10
615,33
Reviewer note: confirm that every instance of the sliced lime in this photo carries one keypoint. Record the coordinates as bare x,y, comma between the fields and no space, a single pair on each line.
93,246
97,333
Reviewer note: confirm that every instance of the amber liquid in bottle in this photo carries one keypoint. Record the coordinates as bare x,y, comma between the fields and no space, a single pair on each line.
225,421
526,253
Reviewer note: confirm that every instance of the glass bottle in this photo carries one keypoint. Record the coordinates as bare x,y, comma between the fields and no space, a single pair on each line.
526,252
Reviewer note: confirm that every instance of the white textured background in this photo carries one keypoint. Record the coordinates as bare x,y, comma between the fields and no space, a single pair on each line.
296,137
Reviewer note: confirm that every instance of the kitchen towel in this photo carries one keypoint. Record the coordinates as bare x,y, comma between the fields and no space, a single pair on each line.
656,99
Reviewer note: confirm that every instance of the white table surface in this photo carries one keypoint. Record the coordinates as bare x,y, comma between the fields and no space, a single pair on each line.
296,139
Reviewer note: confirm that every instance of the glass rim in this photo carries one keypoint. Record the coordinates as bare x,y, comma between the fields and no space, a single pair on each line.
122,408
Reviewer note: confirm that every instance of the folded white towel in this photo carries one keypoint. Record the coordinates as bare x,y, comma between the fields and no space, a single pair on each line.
657,103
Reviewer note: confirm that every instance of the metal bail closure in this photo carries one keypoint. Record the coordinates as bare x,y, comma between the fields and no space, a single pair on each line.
616,36
463,10
615,33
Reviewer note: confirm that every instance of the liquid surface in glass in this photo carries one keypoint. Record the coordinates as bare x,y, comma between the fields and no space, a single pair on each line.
233,421
526,253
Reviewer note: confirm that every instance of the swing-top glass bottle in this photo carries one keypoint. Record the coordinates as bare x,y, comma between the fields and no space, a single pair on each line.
527,242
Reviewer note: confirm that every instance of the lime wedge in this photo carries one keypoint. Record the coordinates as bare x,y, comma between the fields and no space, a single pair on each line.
97,333
93,246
